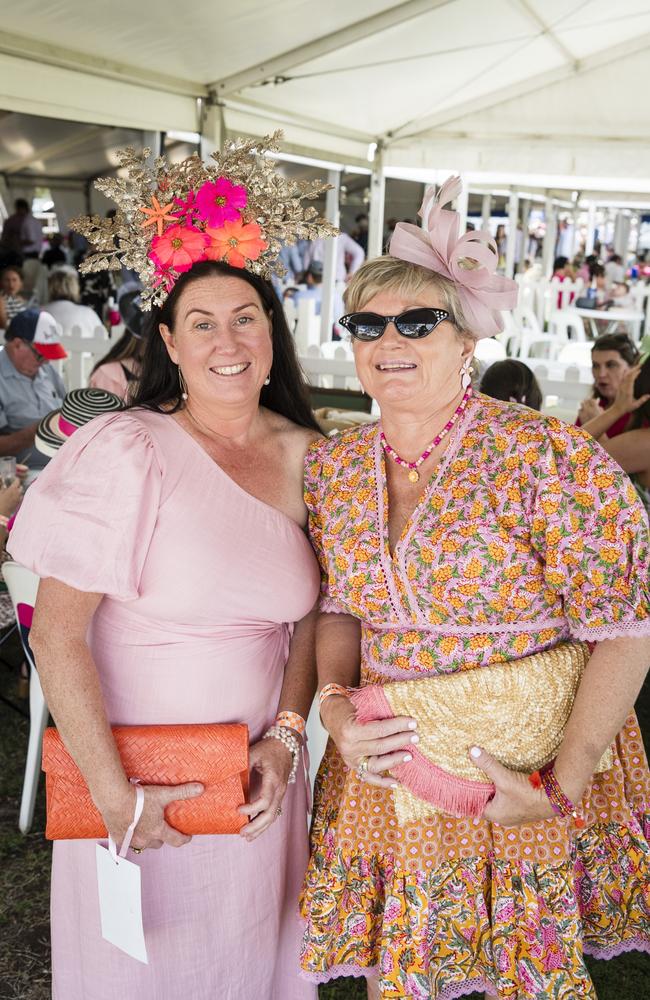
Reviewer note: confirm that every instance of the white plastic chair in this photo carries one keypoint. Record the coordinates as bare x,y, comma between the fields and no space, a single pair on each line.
510,336
567,324
22,585
532,334
578,353
488,350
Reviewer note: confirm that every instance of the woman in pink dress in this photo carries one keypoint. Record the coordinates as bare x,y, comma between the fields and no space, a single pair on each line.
177,586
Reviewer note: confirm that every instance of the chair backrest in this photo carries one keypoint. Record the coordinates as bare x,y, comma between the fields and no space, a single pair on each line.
22,585
576,353
568,324
489,350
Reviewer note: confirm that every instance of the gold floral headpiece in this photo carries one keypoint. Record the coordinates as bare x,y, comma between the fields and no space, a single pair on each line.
238,209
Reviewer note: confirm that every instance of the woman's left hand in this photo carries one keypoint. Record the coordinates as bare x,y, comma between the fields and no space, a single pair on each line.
515,801
625,399
272,762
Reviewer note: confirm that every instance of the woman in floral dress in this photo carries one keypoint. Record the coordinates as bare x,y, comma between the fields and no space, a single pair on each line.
517,534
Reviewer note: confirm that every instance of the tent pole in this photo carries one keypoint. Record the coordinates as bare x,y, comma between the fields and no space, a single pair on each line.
486,211
576,231
511,243
591,229
332,214
461,205
525,217
548,249
211,128
376,206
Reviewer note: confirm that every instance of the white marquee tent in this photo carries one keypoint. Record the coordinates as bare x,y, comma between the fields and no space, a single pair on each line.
540,96
527,86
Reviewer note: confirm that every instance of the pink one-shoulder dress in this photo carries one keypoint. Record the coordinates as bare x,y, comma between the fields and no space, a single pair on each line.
202,583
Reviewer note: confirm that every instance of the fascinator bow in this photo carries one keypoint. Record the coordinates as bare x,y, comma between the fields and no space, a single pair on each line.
470,261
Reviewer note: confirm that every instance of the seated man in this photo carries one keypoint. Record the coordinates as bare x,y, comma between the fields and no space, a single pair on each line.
29,387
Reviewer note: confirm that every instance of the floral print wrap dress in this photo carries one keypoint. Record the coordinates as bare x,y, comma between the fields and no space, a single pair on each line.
527,535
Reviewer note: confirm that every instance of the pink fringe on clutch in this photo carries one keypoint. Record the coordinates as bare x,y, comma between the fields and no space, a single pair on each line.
424,779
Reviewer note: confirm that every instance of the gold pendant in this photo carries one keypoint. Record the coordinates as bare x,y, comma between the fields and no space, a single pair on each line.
414,476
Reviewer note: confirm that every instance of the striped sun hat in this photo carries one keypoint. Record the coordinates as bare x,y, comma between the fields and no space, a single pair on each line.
78,407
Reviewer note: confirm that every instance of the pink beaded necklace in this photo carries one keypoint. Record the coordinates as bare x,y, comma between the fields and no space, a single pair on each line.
414,475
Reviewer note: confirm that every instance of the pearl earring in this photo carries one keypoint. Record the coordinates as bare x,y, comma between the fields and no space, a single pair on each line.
183,384
267,380
466,373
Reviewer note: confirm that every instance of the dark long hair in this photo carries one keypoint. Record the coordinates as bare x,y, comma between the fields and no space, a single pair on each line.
641,417
287,394
512,379
127,346
621,343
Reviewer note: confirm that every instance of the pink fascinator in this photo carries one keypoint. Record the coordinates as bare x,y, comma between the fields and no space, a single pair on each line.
470,261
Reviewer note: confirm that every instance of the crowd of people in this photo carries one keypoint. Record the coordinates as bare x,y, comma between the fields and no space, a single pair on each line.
207,556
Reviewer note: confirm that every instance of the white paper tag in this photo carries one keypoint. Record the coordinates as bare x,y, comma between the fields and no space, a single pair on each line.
120,903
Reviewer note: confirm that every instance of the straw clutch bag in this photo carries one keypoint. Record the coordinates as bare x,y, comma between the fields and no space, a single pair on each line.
516,711
215,755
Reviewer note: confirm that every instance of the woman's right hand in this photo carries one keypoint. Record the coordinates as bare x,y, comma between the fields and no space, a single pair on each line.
152,830
589,408
384,743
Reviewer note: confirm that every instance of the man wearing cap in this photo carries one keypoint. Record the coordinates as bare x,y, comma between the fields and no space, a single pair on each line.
29,387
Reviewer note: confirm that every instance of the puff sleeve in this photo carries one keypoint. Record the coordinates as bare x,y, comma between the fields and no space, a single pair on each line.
89,518
315,503
591,532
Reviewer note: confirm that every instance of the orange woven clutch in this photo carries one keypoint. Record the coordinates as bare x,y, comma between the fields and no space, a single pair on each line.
215,755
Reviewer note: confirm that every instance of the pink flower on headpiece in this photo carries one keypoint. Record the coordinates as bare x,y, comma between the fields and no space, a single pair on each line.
179,247
220,201
236,242
186,209
438,247
163,277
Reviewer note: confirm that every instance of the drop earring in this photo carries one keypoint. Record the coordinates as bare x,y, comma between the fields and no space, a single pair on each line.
466,374
267,380
183,385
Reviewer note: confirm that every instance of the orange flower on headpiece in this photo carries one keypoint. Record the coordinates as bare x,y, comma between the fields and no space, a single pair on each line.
235,242
158,214
179,247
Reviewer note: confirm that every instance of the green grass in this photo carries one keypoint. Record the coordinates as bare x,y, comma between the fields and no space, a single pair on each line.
25,875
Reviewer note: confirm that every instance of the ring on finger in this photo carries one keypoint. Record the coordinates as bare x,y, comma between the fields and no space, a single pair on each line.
362,768
278,811
138,850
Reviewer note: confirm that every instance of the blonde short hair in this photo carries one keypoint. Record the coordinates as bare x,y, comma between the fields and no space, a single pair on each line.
404,278
63,284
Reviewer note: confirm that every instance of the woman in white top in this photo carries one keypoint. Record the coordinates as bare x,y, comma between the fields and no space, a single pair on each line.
64,296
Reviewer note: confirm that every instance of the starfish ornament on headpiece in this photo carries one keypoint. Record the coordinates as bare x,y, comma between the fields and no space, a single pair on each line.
170,216
470,261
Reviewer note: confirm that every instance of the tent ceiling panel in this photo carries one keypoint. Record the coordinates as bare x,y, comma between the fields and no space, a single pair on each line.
612,167
599,24
462,82
299,140
201,40
53,149
423,64
60,93
595,110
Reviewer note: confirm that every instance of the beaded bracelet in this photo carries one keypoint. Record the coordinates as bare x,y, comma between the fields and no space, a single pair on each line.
560,803
331,689
291,743
291,720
